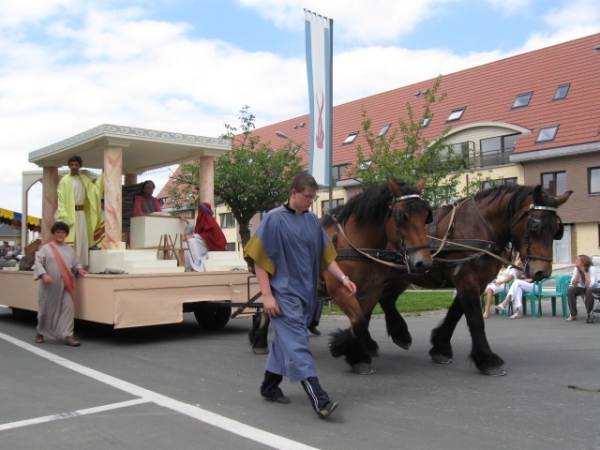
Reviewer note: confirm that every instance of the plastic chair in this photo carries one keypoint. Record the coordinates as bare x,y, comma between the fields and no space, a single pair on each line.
561,289
499,298
510,310
595,308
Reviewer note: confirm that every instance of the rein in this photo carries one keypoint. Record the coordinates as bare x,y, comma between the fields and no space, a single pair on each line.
468,247
365,254
450,226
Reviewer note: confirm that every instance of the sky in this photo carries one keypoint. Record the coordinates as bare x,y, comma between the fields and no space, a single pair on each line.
189,66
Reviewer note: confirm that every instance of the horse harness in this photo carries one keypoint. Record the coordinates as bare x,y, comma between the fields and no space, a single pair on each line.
534,228
481,247
386,257
492,248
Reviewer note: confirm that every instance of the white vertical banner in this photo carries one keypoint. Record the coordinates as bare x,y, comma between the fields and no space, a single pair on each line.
319,39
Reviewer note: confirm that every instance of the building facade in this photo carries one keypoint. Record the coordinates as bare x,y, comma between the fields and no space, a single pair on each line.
531,119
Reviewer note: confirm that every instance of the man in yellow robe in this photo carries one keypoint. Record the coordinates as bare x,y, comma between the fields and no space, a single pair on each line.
79,206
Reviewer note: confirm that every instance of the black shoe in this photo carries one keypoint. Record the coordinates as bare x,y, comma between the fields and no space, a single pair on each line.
589,319
314,330
281,399
270,390
327,409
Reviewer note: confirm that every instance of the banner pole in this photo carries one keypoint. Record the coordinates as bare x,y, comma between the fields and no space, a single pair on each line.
330,131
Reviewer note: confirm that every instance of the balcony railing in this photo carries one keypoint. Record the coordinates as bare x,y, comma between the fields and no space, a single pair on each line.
491,158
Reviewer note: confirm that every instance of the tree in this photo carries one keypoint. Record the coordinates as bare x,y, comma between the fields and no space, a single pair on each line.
184,192
405,154
253,177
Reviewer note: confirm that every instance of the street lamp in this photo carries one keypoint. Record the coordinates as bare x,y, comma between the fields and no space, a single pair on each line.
282,135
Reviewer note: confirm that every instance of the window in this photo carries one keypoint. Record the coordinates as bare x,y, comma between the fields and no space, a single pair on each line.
561,92
426,121
522,100
335,202
499,182
547,134
231,246
227,220
555,183
594,180
384,129
460,153
337,172
496,151
350,138
456,114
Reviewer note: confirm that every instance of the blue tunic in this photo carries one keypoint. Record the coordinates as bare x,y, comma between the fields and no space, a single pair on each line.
292,248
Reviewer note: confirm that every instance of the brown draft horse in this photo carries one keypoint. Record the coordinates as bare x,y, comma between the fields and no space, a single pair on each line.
386,223
524,216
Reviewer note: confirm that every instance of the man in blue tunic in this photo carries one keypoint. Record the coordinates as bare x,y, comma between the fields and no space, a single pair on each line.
288,251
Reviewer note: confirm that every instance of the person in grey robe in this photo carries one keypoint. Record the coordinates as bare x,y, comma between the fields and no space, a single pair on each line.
56,311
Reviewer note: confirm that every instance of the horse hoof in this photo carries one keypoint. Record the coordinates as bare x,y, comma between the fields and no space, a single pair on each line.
402,344
260,350
494,372
363,369
441,359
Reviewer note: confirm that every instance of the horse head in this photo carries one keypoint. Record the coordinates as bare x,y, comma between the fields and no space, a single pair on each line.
534,227
405,228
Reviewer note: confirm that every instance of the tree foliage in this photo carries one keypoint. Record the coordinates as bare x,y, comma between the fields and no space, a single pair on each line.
184,191
253,177
404,153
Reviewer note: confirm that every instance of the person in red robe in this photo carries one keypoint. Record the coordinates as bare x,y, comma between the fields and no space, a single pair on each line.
205,236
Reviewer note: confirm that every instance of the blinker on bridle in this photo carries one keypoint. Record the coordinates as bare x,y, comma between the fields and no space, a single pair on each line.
528,229
398,215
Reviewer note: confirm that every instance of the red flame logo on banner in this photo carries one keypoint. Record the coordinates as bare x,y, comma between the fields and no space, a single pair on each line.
320,132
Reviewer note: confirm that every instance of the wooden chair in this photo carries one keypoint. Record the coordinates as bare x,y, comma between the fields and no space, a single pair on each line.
167,246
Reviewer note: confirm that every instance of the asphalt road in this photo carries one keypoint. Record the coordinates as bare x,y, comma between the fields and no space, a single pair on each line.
179,387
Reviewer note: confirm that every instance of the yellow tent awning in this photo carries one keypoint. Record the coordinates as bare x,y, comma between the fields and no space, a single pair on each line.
14,218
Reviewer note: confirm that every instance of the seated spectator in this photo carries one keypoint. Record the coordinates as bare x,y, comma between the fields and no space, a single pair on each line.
515,295
144,203
584,282
204,237
505,276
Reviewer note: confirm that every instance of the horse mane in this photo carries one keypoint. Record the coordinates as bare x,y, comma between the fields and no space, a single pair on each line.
518,194
370,206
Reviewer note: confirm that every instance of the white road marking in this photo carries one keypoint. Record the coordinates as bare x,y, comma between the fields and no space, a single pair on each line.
230,425
67,415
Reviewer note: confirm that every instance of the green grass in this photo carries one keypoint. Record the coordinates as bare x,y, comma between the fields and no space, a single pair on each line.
413,302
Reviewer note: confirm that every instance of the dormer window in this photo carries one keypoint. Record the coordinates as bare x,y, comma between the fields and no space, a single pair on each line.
522,100
561,92
350,138
547,134
456,114
384,130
